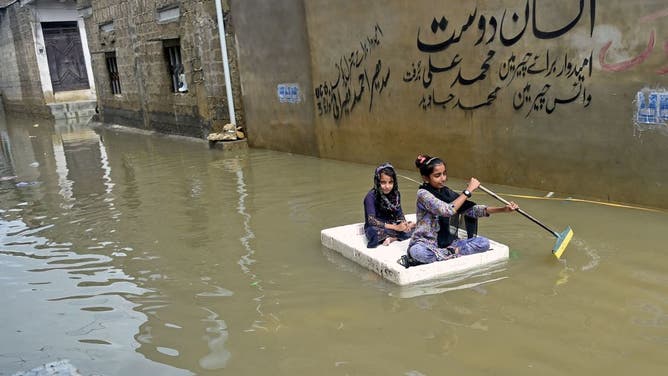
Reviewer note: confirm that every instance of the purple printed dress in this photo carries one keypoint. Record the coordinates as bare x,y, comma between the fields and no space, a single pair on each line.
375,220
423,246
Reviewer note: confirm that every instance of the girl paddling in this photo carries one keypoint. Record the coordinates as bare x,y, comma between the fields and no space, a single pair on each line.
434,200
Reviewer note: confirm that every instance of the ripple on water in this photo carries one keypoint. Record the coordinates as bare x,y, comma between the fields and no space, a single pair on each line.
167,351
97,309
217,292
160,198
95,341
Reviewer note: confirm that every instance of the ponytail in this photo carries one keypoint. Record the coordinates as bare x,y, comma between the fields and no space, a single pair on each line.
426,164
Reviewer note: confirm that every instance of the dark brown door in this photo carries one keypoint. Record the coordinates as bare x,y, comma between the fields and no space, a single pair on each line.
65,55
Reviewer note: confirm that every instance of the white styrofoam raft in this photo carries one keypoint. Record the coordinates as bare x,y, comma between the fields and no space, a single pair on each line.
349,240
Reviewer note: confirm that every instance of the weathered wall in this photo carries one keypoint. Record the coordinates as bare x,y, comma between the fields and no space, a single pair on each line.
9,74
274,50
21,88
146,100
528,93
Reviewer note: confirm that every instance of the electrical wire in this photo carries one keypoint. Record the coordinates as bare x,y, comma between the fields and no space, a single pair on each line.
611,204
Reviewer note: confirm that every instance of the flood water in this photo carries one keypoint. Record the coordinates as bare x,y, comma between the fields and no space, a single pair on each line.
133,254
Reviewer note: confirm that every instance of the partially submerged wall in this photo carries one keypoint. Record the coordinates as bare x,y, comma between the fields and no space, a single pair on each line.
276,74
528,93
138,35
20,79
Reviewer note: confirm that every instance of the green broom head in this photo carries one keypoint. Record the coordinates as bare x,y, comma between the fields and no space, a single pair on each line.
562,242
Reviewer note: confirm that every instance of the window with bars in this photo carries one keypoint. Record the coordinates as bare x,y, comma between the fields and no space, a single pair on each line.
112,69
175,65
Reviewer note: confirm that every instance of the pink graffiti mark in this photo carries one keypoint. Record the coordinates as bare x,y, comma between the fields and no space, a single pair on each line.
664,70
624,65
654,16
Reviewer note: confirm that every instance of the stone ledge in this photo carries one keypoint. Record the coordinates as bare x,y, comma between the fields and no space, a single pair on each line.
146,132
229,145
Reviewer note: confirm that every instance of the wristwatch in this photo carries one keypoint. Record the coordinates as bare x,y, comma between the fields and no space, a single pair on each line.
467,193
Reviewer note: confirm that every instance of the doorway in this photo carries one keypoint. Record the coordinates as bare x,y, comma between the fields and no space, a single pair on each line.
64,53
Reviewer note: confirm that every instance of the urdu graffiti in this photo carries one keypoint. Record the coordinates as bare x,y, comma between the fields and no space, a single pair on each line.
357,77
542,79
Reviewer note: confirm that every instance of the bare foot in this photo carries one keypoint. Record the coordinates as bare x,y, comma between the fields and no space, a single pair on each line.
389,240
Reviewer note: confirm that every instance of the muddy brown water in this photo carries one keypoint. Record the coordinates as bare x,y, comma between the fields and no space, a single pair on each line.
133,254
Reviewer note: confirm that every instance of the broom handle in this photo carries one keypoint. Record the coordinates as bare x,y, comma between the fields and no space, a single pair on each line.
534,220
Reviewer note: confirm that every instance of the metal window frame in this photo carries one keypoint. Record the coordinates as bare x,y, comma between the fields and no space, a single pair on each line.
172,48
112,69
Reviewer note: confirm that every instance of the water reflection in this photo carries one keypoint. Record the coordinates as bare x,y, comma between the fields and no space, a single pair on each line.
468,279
39,276
62,251
133,254
246,261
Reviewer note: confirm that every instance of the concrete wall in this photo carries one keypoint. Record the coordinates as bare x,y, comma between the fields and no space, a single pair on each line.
274,50
529,93
10,84
20,77
147,100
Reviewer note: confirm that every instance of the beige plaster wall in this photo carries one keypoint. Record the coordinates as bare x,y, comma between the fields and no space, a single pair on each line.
539,93
273,48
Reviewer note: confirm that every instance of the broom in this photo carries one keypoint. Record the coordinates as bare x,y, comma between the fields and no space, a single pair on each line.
563,238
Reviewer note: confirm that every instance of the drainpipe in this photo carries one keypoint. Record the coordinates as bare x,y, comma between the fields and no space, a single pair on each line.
226,63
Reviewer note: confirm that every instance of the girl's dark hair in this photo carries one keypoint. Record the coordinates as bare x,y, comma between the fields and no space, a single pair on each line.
390,203
426,164
386,169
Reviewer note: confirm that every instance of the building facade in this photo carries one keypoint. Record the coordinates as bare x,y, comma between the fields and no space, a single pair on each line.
566,96
158,64
46,67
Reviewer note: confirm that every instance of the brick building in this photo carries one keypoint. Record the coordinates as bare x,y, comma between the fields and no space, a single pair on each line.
158,64
46,68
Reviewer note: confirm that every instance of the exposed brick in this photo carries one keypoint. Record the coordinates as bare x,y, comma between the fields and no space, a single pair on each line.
143,70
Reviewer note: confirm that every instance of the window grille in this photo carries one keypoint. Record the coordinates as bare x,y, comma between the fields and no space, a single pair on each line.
175,65
112,69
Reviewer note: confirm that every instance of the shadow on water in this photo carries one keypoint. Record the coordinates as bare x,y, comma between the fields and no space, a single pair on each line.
129,253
